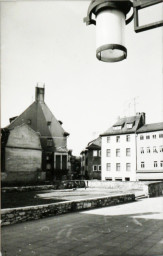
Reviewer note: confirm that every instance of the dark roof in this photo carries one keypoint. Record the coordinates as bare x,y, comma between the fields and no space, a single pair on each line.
39,115
95,144
151,128
135,120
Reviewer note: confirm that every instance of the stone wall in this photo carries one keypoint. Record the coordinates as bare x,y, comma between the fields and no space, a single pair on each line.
155,189
16,215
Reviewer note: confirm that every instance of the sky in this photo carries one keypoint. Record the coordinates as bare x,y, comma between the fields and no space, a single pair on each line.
46,42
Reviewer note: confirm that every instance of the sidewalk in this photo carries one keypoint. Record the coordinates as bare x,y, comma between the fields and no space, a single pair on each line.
129,229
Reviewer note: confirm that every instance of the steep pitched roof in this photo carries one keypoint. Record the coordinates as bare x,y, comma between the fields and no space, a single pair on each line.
134,120
151,127
38,115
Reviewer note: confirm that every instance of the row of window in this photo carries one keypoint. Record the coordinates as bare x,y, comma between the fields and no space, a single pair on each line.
117,179
119,127
118,138
118,167
96,168
128,152
142,137
155,164
148,149
154,136
29,121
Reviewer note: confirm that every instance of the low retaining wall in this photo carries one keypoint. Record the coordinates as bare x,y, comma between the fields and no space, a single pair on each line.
16,215
155,189
149,188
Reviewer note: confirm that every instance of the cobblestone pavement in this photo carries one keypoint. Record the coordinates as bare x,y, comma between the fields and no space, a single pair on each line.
130,229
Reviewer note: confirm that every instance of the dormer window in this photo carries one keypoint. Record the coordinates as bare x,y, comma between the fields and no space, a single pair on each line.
49,123
29,121
129,125
118,127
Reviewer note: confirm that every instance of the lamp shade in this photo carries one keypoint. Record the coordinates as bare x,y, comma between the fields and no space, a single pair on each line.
110,35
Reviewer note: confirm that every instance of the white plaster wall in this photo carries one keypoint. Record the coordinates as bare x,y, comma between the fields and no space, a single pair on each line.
149,158
123,159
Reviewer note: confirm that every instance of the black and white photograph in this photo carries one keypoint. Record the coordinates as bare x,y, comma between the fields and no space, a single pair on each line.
81,127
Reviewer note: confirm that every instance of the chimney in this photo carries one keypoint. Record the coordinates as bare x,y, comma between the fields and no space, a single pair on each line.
142,115
39,94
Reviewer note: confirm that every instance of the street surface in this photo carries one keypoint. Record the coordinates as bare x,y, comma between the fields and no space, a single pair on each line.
130,229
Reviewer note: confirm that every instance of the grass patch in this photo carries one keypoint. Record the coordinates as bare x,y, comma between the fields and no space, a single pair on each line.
21,199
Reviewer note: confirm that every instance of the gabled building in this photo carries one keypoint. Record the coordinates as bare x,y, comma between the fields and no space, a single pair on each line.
91,160
52,136
119,162
133,150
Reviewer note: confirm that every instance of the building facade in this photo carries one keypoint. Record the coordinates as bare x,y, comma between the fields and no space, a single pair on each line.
150,152
53,139
132,150
91,160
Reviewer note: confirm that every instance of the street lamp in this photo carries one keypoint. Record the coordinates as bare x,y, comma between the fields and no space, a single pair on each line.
110,20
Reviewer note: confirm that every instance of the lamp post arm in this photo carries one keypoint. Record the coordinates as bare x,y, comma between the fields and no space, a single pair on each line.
141,4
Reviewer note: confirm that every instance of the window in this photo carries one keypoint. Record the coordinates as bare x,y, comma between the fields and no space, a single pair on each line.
118,167
142,164
108,167
154,136
117,138
148,150
108,179
118,179
161,135
49,142
161,148
108,152
155,150
127,179
49,123
99,168
141,137
117,152
29,121
129,126
161,163
142,150
94,152
94,168
147,137
128,151
127,137
117,127
155,163
128,167
108,139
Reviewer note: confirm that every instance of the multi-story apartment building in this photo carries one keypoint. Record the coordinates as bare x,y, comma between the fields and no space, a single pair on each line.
91,160
132,150
150,152
119,149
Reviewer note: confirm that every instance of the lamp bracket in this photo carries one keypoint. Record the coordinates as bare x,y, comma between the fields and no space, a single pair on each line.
141,4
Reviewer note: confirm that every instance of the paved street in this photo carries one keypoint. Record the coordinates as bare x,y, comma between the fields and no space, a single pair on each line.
130,229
